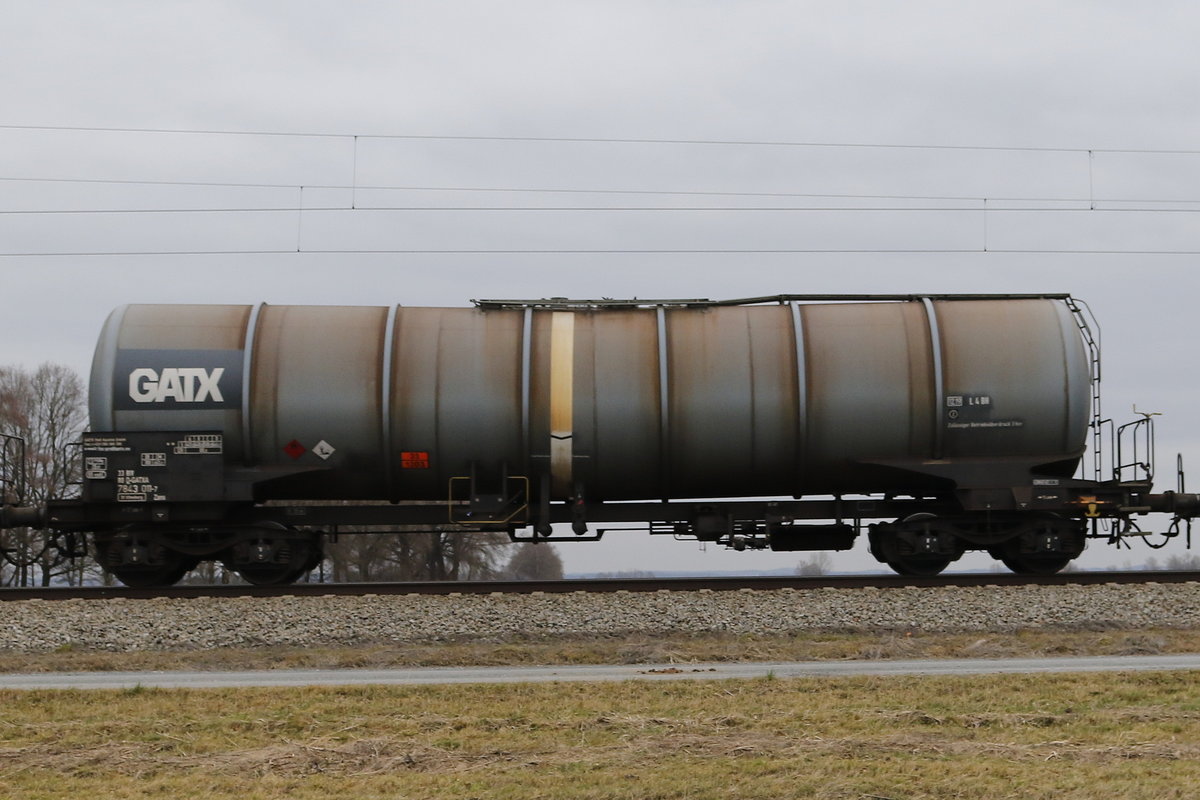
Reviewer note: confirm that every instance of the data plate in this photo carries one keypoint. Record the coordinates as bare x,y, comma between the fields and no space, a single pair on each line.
150,467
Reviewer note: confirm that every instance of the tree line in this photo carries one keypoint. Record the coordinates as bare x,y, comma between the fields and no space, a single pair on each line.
43,411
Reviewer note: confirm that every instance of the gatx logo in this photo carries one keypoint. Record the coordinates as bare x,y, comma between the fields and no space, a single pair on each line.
181,384
177,380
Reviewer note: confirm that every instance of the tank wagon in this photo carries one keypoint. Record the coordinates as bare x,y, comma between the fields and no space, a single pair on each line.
935,424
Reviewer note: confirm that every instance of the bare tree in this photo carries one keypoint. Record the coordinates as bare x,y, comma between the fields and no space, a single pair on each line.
426,556
211,573
355,557
1176,561
535,562
816,565
46,409
450,555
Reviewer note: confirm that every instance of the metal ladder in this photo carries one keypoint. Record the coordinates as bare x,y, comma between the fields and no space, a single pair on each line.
1089,329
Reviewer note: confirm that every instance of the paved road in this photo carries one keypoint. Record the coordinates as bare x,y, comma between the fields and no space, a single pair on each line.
665,672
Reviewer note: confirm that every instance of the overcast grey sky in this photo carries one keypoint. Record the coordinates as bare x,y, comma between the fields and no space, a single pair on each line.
1034,110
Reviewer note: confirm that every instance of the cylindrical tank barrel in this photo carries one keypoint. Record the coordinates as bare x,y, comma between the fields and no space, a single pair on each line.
628,403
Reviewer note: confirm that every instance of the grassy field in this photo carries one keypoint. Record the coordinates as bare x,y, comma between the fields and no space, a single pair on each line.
634,649
1061,736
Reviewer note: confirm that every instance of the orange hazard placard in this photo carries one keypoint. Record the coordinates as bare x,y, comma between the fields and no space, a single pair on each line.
414,460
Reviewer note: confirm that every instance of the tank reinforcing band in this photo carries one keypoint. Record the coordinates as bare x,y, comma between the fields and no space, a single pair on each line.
801,397
247,374
939,378
385,401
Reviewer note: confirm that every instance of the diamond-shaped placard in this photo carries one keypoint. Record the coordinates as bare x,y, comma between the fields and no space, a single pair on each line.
323,449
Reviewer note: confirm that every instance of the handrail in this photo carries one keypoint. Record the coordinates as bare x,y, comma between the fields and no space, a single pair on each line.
611,303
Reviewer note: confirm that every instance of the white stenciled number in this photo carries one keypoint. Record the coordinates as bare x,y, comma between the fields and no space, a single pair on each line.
181,384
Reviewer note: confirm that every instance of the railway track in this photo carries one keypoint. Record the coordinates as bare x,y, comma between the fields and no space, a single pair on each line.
714,584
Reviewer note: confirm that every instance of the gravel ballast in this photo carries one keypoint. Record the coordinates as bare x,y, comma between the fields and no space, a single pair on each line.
188,624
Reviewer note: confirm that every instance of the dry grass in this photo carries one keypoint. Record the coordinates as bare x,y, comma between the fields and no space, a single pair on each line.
630,650
1061,736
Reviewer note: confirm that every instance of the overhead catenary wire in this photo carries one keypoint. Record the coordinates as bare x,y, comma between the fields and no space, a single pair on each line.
355,185
596,140
878,203
608,251
562,190
573,209
294,187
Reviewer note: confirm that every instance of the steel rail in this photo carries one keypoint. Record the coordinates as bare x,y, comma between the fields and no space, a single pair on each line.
601,585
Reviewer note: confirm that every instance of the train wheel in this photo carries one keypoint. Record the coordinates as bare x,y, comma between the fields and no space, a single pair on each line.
170,566
279,561
150,577
918,567
1044,549
909,557
271,576
1035,566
